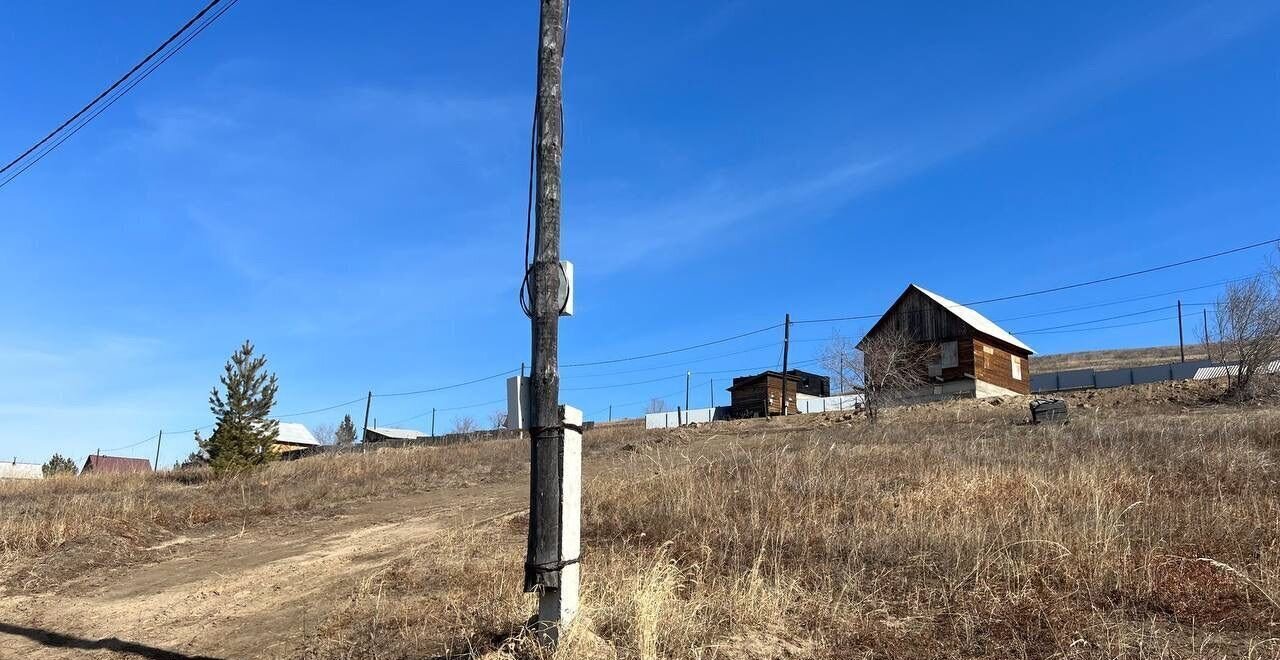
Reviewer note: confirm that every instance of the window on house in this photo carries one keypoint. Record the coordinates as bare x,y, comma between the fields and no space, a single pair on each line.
949,355
1017,367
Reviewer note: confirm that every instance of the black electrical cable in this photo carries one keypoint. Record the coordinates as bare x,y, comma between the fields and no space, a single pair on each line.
674,350
448,387
113,85
1066,287
132,83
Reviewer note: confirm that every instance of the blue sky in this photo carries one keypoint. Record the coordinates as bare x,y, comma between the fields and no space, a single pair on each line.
345,186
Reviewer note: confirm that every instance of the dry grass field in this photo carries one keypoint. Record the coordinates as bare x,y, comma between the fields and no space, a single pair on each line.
1147,527
1114,358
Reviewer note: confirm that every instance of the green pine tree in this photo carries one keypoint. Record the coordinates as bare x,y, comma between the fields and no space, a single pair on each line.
346,433
59,465
244,432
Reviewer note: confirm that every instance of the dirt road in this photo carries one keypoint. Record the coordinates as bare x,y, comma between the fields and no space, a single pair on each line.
249,592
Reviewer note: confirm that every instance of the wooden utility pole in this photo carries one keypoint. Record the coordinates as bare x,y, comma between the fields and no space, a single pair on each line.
544,561
687,376
156,466
433,422
611,412
786,348
1205,312
1182,350
368,402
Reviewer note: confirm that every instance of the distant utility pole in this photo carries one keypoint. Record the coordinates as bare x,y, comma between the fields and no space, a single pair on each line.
545,563
1182,350
687,376
611,412
1205,312
364,433
433,422
711,385
156,466
786,348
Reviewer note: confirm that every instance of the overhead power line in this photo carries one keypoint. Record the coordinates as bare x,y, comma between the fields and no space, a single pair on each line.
675,350
320,410
1078,308
448,387
128,80
134,444
1163,319
1075,285
678,365
1162,308
1144,271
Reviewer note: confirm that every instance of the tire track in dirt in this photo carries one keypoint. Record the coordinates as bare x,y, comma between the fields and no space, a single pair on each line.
251,593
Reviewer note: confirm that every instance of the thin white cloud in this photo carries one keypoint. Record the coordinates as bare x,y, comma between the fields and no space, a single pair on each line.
641,229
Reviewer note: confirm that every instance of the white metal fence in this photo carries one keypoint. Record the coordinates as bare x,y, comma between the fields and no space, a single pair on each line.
1080,379
804,405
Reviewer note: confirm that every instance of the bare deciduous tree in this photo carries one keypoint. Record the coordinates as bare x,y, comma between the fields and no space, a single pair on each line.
498,419
464,425
1246,331
326,433
840,358
656,406
893,368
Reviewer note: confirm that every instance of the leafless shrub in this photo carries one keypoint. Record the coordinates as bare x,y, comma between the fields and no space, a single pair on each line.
893,368
656,405
498,419
326,433
464,424
840,358
1246,331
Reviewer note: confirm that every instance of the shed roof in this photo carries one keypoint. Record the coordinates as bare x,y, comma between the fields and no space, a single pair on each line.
397,434
293,433
99,463
792,374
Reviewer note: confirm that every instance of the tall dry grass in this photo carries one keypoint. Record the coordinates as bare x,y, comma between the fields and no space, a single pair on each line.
944,533
947,531
1117,358
111,510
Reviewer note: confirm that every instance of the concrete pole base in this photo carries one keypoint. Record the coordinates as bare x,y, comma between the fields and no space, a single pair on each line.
557,608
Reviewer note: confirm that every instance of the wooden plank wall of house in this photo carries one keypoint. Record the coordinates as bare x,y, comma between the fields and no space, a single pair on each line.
993,363
758,394
922,319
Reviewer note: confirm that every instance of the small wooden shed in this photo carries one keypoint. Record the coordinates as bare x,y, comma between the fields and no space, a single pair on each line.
761,394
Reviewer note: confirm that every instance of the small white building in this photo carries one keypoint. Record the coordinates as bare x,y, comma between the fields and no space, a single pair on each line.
384,433
15,470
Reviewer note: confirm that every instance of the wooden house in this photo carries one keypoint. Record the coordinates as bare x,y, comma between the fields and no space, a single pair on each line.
761,395
293,437
973,357
115,464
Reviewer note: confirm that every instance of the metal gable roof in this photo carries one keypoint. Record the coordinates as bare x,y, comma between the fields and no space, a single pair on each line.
974,319
398,434
293,433
100,463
